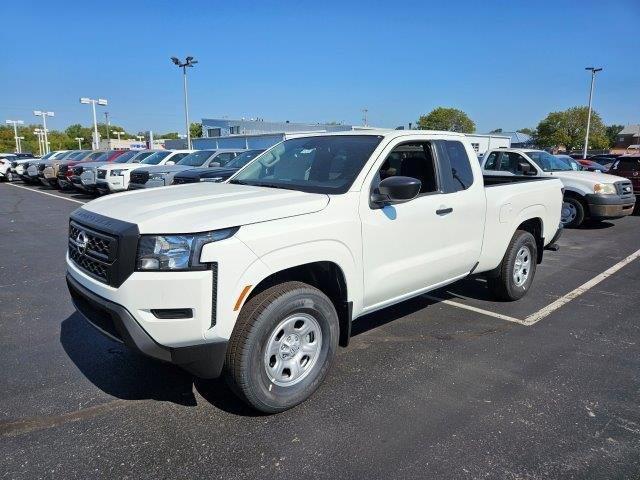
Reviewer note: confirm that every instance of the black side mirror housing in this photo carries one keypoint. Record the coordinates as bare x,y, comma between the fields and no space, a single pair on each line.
396,190
526,169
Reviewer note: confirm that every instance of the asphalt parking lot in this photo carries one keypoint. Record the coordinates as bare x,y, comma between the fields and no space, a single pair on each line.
447,386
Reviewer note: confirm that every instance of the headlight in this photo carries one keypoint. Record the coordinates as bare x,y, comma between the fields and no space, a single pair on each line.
115,173
605,188
176,252
210,179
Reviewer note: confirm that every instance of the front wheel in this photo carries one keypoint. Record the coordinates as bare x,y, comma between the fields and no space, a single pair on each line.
573,212
9,176
282,346
515,274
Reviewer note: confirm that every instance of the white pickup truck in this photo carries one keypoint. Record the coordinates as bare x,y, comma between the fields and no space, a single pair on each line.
593,195
259,278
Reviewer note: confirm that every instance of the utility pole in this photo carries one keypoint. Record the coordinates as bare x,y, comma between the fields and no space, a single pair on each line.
39,133
44,114
106,121
189,62
593,70
365,110
15,124
92,102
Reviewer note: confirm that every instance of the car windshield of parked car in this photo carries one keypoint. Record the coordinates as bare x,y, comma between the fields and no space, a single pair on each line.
322,164
156,158
125,157
196,159
103,157
551,163
141,156
75,155
244,158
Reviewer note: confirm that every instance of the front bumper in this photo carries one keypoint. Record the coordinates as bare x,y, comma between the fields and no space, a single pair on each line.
111,183
203,360
602,207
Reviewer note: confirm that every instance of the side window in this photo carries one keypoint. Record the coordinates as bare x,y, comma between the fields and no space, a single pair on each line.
178,156
510,161
224,158
460,165
491,161
414,160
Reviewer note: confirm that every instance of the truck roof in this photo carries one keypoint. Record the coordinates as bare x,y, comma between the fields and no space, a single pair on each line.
384,133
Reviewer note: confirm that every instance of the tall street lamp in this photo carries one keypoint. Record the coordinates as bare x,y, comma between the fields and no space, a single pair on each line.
79,140
188,62
44,114
99,101
15,124
106,121
118,134
38,133
593,70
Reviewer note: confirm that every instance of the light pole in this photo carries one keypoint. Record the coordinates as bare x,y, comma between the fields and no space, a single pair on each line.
593,70
99,101
106,121
44,114
15,124
38,133
118,134
79,140
189,62
140,137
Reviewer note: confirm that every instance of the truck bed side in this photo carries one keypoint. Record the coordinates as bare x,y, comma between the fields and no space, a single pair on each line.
512,201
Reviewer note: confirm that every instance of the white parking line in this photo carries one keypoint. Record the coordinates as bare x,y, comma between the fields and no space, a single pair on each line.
552,307
46,193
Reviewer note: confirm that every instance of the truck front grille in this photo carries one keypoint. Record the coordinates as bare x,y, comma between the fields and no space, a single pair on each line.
78,170
92,251
139,177
41,167
624,188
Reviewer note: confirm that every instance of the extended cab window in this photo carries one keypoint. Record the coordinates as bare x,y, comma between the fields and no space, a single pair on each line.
414,160
460,165
510,162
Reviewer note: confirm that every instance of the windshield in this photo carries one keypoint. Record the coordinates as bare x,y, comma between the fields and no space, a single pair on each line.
125,157
103,157
141,156
196,159
244,158
551,163
322,164
156,158
76,155
48,155
94,156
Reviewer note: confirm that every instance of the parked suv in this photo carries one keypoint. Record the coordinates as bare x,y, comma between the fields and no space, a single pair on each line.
594,195
65,170
50,172
114,176
215,173
628,166
85,174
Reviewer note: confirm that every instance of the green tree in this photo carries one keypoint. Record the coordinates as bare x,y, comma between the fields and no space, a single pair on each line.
497,130
568,129
612,133
450,119
195,129
528,131
169,135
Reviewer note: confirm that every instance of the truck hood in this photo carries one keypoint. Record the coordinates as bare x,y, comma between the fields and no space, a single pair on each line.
120,166
588,177
201,207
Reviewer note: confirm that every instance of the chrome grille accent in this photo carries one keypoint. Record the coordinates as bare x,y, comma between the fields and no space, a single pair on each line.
139,177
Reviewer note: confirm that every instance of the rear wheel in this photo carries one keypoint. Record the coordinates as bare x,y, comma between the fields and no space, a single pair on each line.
10,176
282,346
515,274
573,212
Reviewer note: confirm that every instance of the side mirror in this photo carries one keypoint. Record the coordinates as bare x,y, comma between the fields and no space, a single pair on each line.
170,162
525,169
396,190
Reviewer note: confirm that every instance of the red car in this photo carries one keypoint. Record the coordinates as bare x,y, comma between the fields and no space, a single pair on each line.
65,171
591,165
628,166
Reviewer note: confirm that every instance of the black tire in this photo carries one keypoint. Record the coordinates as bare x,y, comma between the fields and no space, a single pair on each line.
245,365
502,284
579,211
9,176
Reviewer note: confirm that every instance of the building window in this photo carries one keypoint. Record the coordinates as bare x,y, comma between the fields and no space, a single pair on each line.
213,132
234,130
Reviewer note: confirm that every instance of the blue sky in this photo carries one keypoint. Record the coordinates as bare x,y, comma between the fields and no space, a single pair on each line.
507,64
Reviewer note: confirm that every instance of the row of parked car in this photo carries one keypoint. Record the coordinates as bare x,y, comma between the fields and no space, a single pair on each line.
590,193
117,170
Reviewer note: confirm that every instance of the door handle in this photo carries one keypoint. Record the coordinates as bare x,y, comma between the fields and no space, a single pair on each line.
444,211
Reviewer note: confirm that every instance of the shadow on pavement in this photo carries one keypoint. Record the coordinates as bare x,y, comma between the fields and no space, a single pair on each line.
124,374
